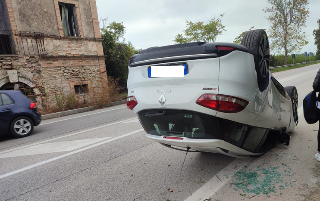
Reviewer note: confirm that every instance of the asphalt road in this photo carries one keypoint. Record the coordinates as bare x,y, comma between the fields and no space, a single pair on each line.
104,155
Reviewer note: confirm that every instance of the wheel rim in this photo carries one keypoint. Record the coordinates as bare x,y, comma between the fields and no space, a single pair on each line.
264,55
22,127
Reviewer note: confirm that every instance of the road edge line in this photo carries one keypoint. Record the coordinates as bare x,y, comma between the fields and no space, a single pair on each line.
66,155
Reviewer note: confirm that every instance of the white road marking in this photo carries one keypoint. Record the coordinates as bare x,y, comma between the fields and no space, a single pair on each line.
136,120
53,147
76,133
219,180
42,124
66,155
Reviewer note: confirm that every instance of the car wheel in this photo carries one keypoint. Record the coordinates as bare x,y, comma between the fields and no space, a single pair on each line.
293,93
257,41
21,127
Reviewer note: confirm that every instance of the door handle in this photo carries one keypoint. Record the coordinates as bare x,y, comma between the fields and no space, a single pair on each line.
6,109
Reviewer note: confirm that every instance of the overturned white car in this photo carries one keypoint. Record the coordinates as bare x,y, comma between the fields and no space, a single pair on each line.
211,97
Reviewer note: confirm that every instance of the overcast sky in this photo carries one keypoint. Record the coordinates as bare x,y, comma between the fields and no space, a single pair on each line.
156,23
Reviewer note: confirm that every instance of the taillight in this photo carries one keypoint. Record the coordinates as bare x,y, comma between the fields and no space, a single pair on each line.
32,105
173,138
225,48
131,102
222,103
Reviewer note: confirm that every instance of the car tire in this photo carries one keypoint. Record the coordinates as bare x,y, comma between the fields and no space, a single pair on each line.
293,94
257,42
21,127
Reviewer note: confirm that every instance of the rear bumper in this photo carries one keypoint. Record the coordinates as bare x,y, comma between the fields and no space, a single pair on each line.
37,119
204,145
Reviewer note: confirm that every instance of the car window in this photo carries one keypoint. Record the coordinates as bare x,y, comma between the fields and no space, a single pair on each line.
6,100
1,101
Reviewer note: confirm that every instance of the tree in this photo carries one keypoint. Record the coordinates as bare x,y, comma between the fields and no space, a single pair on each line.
117,52
316,34
287,18
238,39
199,31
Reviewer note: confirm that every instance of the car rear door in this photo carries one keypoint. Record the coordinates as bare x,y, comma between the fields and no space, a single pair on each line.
6,113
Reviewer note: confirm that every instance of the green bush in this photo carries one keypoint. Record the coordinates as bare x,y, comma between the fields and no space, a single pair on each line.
278,60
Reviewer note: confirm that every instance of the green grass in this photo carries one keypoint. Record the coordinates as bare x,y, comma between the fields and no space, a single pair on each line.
292,67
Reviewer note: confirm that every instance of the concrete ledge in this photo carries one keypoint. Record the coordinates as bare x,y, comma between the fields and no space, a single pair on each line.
66,113
117,103
76,111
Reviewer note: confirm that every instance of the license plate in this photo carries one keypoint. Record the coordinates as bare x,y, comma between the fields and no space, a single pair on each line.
168,71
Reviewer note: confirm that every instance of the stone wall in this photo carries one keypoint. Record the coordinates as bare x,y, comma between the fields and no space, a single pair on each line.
23,69
44,16
36,16
49,76
72,47
61,74
86,18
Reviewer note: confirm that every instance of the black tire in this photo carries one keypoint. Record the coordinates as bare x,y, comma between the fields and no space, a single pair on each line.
21,127
293,94
257,41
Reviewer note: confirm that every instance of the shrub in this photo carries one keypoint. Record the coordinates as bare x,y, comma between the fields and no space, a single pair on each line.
278,60
108,94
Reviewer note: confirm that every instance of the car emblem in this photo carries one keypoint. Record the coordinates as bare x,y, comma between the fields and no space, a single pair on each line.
162,100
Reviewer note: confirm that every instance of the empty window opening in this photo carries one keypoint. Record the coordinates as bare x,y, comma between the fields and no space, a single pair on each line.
68,19
81,89
5,44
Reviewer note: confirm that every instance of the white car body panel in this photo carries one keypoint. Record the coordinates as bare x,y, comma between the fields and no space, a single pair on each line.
233,75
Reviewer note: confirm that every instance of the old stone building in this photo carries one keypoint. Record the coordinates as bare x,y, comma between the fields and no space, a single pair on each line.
50,47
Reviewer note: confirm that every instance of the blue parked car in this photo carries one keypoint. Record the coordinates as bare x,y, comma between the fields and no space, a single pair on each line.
18,114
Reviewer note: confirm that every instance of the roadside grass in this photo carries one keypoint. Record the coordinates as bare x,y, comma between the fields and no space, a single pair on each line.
292,67
122,96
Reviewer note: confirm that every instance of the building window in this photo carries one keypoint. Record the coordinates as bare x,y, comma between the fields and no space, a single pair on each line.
68,19
5,45
81,89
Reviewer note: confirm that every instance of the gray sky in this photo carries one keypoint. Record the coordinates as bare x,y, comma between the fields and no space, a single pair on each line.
156,23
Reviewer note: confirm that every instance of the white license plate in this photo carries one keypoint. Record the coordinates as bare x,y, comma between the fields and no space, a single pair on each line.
166,71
